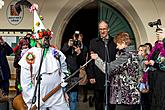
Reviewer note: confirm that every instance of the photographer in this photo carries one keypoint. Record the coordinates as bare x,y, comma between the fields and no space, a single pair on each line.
75,53
156,64
76,43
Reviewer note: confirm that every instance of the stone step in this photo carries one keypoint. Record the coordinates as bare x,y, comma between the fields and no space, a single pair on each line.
13,76
12,83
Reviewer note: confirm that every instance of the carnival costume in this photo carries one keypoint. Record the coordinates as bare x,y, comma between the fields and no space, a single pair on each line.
53,67
51,76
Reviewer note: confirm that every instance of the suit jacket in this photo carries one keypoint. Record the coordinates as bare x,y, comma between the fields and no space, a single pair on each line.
98,46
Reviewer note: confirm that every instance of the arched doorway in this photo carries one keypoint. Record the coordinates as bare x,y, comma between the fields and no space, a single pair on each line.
86,21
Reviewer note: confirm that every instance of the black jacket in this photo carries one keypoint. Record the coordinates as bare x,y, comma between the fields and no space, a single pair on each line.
97,45
74,61
5,50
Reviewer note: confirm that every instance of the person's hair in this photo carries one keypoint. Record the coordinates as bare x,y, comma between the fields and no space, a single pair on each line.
79,35
164,42
28,34
122,37
23,41
106,22
149,44
141,46
144,47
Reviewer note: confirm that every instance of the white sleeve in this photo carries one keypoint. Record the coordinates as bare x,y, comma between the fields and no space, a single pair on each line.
63,63
100,64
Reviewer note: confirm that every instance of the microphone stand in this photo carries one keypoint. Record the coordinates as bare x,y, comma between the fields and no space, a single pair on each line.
38,82
106,73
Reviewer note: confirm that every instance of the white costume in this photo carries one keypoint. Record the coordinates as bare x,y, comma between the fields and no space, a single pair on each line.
51,77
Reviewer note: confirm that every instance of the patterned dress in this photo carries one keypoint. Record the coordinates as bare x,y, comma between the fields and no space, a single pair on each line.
124,74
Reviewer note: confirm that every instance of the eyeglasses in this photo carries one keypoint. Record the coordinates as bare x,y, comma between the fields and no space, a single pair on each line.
103,29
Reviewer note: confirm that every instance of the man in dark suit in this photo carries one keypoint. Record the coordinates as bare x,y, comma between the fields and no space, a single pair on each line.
96,76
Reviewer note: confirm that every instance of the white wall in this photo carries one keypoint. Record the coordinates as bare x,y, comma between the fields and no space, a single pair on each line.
57,13
149,10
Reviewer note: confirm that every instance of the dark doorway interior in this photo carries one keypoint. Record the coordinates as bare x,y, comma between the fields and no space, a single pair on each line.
85,21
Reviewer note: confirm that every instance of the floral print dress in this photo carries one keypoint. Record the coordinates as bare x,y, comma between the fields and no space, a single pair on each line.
124,75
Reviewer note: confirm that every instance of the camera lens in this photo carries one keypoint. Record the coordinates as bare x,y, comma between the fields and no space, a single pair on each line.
155,23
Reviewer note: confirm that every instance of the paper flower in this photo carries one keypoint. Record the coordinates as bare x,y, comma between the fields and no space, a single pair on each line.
40,34
30,58
41,18
38,24
33,29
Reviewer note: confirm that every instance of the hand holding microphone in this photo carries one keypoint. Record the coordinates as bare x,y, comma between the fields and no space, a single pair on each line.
93,55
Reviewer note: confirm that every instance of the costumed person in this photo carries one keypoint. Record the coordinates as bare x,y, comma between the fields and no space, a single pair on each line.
21,48
5,50
156,64
124,75
53,67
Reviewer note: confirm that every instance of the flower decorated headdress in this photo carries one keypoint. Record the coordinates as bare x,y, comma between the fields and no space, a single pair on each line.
39,30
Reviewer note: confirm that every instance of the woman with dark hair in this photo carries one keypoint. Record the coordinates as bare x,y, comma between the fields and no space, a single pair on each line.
22,45
149,46
124,75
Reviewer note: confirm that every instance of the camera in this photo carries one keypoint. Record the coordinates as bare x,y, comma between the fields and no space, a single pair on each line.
76,42
156,23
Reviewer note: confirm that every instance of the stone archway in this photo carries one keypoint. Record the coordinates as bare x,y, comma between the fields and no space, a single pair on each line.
128,11
64,16
124,7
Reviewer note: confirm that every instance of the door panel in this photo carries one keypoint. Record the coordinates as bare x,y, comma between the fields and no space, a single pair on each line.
117,22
